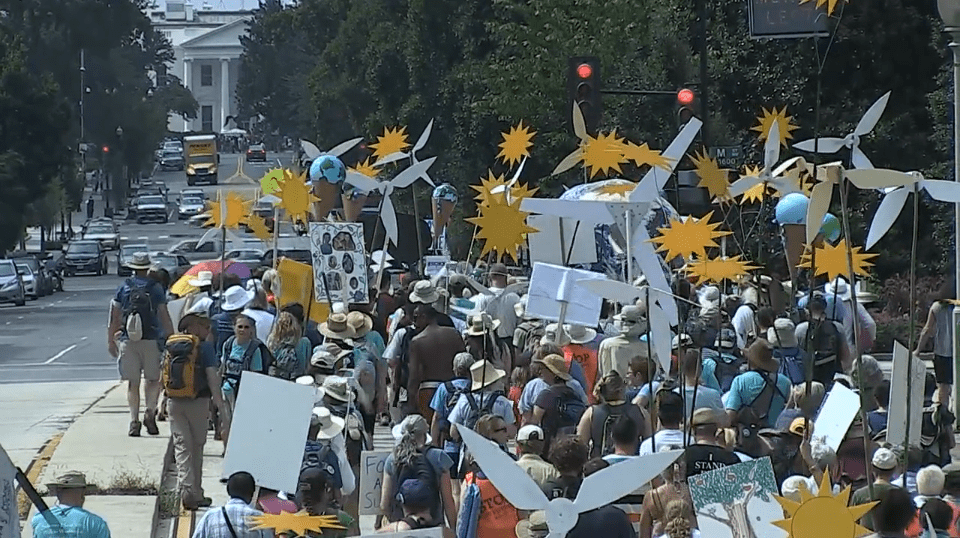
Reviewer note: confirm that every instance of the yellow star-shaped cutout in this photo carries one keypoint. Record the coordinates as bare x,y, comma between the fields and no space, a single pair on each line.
712,177
758,192
617,189
270,182
521,191
719,269
516,144
832,260
392,141
688,237
259,227
603,153
784,124
801,177
486,187
236,210
296,197
831,4
366,168
503,226
823,515
299,523
642,154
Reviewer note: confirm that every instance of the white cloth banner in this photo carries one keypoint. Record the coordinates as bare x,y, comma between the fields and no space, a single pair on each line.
9,518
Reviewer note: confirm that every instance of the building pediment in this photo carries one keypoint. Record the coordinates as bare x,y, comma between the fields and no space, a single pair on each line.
224,37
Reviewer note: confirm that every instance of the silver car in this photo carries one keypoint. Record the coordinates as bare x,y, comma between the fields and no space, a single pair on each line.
190,207
105,232
11,285
29,280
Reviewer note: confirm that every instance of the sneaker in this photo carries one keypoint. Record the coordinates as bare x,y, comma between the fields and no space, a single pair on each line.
205,502
150,422
134,428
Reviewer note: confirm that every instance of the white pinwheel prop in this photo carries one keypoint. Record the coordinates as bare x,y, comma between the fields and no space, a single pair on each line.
388,214
312,151
579,129
598,489
422,141
829,174
898,186
508,187
852,140
770,174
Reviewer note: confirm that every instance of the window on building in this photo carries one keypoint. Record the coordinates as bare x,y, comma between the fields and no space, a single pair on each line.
206,118
206,75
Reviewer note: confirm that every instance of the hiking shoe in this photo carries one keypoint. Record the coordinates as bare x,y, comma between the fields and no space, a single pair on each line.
205,502
150,422
134,428
161,417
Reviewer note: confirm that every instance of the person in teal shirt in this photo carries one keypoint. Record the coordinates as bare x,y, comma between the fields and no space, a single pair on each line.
75,522
241,352
747,388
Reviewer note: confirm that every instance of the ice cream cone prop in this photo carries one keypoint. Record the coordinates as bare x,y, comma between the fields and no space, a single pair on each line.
326,176
327,193
442,211
794,236
353,203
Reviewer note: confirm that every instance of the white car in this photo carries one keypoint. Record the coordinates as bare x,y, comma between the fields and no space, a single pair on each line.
104,232
190,207
193,193
29,281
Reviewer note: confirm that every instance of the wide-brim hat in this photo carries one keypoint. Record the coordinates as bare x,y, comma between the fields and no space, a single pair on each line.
498,269
335,387
557,365
236,298
483,374
555,334
481,324
760,356
330,424
204,278
70,480
838,287
360,323
631,313
580,334
424,292
327,356
139,261
782,334
337,327
533,527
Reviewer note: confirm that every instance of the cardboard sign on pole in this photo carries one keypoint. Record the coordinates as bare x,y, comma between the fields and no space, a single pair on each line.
897,413
269,431
337,250
836,416
552,285
550,245
371,480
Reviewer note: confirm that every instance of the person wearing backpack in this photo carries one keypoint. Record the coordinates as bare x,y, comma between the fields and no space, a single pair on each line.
761,388
242,352
230,304
412,459
558,409
290,349
596,426
823,340
744,319
446,397
139,321
793,360
189,371
485,397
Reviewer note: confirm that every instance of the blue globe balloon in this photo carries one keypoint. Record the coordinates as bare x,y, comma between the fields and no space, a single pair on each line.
327,168
830,228
792,209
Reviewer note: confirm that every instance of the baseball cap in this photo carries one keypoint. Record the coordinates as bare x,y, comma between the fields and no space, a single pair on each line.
884,459
530,432
797,427
415,492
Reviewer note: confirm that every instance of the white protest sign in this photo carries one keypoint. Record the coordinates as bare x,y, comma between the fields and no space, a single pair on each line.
897,413
434,264
371,480
269,431
9,518
836,415
435,532
552,285
550,245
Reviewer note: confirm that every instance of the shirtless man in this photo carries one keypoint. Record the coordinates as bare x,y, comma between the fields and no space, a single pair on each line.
431,359
655,502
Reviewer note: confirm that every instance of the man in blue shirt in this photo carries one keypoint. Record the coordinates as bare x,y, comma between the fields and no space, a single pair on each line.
74,521
139,297
761,389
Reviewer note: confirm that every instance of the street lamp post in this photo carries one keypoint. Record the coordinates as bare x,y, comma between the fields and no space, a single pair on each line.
950,13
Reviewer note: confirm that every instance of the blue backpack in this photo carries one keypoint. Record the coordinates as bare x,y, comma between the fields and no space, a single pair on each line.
792,363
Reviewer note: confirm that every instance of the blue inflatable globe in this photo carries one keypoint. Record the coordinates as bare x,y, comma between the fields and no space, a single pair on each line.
327,168
830,228
792,209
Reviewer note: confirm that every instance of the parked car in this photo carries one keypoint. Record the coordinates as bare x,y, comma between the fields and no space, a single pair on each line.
190,207
30,284
171,160
152,208
175,264
44,282
210,250
257,152
11,285
124,255
85,257
105,231
200,220
249,256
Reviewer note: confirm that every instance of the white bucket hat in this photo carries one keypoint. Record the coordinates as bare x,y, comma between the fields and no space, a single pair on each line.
204,278
236,298
580,334
330,425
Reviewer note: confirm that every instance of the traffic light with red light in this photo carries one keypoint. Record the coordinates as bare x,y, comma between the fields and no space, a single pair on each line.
686,103
583,88
106,149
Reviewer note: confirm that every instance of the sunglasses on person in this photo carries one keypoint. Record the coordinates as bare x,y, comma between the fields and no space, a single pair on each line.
244,327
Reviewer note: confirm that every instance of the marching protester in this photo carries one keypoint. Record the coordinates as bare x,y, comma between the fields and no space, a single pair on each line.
242,352
597,424
431,359
290,349
233,518
530,439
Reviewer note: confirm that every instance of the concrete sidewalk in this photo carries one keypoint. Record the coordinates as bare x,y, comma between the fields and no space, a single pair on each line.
128,470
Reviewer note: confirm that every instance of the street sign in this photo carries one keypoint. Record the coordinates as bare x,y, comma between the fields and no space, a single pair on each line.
729,157
780,19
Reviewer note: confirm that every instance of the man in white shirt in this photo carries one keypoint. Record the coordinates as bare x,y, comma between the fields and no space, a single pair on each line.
232,520
670,413
505,311
744,321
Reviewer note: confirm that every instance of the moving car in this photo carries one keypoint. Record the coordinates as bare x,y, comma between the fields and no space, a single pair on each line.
11,285
171,160
103,230
190,207
29,281
151,208
175,264
85,257
124,255
193,193
248,256
257,152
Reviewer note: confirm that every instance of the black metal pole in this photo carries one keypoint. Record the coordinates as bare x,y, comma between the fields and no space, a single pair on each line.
704,109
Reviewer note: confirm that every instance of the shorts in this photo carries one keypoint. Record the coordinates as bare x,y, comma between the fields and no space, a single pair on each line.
943,369
139,356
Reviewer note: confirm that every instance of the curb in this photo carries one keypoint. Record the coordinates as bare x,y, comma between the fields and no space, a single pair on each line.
168,460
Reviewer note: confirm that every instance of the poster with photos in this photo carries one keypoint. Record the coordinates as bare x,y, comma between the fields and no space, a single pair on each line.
339,262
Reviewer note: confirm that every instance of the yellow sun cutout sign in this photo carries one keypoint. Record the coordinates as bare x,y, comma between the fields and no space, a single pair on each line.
831,4
392,141
516,144
296,197
689,237
784,124
521,191
486,187
366,168
642,154
603,153
719,269
300,523
259,227
832,260
270,182
758,192
823,515
503,226
712,177
236,210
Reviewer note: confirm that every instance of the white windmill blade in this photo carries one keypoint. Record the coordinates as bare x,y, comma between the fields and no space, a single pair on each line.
878,178
412,173
388,216
674,153
422,141
612,289
821,145
771,149
658,330
649,262
780,169
568,162
362,182
872,116
310,149
208,236
579,126
887,213
393,157
614,482
859,159
344,147
478,286
743,184
944,191
817,208
516,176
585,211
509,478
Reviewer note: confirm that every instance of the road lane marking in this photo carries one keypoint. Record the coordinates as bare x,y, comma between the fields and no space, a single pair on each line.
61,354
83,338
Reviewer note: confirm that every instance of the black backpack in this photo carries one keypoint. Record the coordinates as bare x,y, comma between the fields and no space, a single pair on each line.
764,401
563,419
139,302
419,468
233,369
481,409
453,394
824,344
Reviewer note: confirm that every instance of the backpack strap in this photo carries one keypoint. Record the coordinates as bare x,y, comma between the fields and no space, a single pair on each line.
226,518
